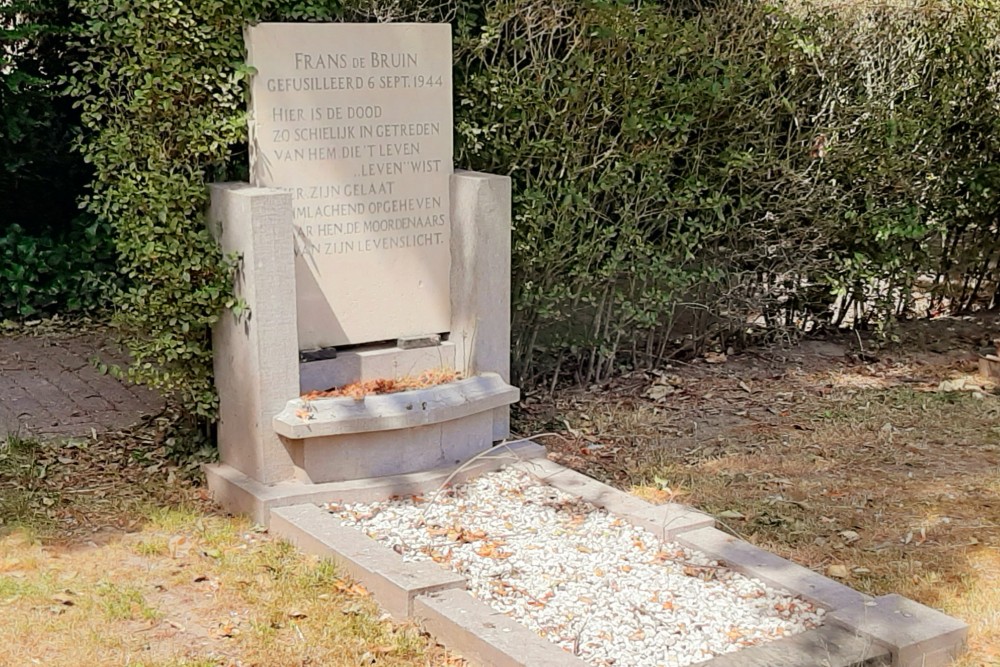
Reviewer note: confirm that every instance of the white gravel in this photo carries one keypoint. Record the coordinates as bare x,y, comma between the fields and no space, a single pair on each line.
593,584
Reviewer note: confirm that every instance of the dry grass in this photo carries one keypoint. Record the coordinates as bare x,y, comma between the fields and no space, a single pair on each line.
189,589
111,556
828,462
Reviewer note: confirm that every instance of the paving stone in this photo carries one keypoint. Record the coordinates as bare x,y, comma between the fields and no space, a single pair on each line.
49,387
917,635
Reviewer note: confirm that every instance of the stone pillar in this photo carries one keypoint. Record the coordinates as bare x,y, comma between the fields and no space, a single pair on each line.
256,353
480,279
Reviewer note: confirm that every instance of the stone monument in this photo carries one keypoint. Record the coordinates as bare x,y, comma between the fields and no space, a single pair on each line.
363,256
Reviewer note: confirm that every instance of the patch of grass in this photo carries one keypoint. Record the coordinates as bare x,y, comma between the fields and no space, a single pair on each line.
210,591
124,602
66,489
25,501
155,545
130,566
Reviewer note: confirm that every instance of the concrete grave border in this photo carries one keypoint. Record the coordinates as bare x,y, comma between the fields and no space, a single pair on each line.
858,630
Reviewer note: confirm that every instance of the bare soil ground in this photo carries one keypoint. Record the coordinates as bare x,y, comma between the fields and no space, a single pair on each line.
880,467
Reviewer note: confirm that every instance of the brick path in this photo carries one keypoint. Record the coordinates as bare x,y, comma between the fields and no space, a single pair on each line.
49,387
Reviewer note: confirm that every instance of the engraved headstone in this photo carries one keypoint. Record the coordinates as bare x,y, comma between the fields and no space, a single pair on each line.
355,120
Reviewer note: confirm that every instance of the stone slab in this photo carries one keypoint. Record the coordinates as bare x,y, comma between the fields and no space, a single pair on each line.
415,342
335,458
355,120
241,494
825,646
386,412
485,636
381,570
770,568
358,365
917,635
665,521
480,278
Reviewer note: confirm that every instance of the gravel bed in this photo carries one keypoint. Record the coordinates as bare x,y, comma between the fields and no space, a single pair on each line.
590,582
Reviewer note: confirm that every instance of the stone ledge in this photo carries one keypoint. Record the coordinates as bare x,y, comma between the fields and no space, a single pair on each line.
826,646
917,635
369,363
771,569
386,412
486,636
381,570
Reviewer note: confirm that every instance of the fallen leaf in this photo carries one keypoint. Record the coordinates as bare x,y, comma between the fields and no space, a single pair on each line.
177,546
837,571
492,550
849,536
64,599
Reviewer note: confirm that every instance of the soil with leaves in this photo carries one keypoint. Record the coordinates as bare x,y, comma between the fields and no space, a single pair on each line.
112,555
877,466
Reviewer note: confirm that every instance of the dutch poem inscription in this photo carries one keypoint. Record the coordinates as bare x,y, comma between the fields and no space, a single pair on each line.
355,120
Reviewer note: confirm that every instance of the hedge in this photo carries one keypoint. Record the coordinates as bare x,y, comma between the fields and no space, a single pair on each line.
682,177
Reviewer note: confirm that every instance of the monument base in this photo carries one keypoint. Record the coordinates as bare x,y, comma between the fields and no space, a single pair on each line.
337,439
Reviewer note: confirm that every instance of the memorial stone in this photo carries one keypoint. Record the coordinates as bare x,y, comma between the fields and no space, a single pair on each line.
355,121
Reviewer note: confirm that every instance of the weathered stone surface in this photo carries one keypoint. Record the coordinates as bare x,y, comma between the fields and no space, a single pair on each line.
241,494
380,569
480,278
336,458
771,569
386,412
355,121
917,635
256,356
370,363
825,646
485,636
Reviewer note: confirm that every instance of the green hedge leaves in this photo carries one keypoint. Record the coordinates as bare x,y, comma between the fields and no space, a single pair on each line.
682,175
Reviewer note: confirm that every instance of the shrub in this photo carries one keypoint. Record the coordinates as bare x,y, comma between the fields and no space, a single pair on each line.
51,257
686,177
69,272
684,173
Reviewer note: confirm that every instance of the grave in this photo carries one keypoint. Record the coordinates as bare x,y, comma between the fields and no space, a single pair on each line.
363,256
